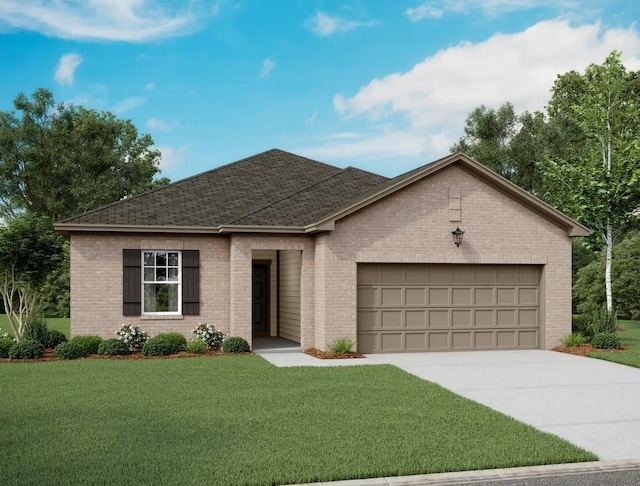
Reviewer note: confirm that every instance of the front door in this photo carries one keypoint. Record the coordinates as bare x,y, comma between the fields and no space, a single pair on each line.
260,299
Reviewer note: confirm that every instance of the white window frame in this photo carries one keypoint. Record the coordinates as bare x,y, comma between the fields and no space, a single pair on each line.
162,282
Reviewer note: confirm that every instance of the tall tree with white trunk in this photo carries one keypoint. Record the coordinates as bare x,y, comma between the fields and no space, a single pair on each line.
597,180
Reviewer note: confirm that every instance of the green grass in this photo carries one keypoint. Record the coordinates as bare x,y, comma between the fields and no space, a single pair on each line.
629,337
59,323
240,420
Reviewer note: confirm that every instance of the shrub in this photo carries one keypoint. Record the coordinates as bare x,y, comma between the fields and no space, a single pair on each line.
157,347
177,340
342,345
581,323
235,344
69,350
55,337
606,340
89,343
3,334
30,349
113,347
5,346
196,346
209,334
36,330
574,339
132,336
604,320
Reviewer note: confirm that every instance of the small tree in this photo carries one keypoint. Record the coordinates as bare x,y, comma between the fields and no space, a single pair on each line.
28,247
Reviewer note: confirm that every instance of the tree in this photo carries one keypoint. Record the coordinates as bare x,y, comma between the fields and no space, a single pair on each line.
28,249
57,160
510,144
597,180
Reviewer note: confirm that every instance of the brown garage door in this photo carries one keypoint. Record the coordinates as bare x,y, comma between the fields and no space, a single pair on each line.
423,307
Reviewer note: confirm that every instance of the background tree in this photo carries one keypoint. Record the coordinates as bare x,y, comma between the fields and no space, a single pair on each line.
57,160
28,251
510,144
597,180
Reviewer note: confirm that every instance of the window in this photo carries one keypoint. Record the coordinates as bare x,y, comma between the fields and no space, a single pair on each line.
161,282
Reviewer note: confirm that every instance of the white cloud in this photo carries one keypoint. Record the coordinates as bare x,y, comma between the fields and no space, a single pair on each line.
171,157
312,119
128,104
150,86
161,125
424,11
115,20
267,66
431,100
435,9
325,25
66,69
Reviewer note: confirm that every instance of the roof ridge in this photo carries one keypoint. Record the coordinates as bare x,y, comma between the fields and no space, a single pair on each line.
175,183
342,171
368,172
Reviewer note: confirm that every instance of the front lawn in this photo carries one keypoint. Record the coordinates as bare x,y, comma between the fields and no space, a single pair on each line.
59,323
629,337
240,420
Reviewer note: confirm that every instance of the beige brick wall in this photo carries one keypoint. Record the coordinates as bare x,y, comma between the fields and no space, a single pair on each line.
96,283
413,226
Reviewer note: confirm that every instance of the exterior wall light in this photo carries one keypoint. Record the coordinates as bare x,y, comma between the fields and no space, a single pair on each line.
457,236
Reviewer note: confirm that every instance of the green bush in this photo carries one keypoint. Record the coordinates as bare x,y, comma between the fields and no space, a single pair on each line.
113,347
55,337
69,350
89,343
5,346
196,346
342,345
177,340
36,330
574,339
30,349
606,340
604,320
581,323
235,344
156,346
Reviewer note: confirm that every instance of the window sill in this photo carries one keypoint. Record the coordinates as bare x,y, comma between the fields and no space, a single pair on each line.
160,317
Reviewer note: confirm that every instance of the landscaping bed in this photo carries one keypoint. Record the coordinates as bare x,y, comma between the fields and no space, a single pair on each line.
48,356
317,353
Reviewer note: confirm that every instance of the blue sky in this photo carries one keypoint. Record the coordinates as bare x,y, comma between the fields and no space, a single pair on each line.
380,85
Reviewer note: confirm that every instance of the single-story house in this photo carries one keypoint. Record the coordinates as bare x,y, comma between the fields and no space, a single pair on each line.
449,256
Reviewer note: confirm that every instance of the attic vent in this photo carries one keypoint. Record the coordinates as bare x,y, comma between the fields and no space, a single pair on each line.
454,203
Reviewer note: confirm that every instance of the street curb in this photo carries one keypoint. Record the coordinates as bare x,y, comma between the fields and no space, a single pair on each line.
470,477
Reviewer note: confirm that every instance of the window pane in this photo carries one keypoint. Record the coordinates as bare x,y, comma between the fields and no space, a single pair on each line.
148,258
161,259
160,298
161,274
173,259
148,274
173,274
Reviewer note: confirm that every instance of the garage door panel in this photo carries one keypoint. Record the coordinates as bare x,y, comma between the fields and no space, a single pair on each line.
461,296
391,297
424,307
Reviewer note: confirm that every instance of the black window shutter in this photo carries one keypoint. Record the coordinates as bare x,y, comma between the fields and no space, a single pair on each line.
131,283
191,282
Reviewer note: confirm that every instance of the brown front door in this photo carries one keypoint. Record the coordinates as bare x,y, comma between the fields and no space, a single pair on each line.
260,299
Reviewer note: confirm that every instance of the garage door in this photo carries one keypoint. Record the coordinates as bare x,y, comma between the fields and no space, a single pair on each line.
420,307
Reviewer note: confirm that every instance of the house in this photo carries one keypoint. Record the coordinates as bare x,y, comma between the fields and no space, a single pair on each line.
280,245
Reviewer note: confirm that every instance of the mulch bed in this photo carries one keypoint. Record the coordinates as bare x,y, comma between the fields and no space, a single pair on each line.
48,356
316,353
585,349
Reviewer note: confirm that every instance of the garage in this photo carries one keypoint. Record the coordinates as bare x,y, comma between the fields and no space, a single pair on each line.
448,307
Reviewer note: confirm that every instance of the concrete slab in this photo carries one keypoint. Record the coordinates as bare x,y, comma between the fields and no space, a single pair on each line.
592,403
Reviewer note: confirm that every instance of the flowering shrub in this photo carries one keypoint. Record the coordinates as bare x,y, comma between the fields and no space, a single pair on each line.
3,334
132,336
209,334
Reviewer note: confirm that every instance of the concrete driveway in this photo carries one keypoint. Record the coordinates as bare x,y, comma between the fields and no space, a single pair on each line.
591,403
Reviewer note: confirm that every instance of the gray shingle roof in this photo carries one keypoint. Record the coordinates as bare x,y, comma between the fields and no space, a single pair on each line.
274,188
